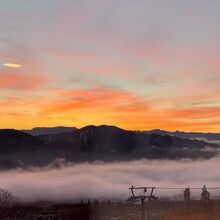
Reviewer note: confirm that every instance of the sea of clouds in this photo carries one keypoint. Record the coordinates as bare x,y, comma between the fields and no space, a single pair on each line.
66,181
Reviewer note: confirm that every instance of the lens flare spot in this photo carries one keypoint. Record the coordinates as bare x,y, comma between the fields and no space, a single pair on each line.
12,65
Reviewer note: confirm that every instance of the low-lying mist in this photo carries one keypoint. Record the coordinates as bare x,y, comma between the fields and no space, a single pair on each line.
67,181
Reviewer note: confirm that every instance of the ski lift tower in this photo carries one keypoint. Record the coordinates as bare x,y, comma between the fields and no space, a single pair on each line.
146,194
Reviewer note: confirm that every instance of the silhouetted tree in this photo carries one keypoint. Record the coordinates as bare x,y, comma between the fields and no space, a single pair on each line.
8,205
187,194
205,196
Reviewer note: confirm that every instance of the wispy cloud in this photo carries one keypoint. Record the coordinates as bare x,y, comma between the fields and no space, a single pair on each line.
94,98
21,81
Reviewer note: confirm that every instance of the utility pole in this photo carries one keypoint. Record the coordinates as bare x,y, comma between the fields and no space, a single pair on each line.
147,194
143,208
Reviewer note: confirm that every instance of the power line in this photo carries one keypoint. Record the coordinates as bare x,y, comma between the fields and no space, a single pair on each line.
180,188
162,188
174,188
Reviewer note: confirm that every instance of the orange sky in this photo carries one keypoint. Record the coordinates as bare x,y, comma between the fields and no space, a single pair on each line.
138,65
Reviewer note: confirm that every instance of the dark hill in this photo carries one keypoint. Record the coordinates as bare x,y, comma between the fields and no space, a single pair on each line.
90,143
11,137
49,130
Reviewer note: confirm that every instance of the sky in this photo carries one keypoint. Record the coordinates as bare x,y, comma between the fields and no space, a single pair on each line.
139,65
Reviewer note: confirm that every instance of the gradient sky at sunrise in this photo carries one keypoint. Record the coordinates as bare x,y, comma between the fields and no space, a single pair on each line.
139,64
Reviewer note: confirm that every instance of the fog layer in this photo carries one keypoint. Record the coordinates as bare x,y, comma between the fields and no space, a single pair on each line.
65,181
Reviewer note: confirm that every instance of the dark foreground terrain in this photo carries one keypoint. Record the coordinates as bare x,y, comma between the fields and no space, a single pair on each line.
155,210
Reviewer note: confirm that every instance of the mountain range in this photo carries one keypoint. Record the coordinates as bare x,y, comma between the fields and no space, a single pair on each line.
207,137
41,146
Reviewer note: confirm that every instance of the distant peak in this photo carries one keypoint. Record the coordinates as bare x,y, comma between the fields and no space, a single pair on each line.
49,130
102,127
